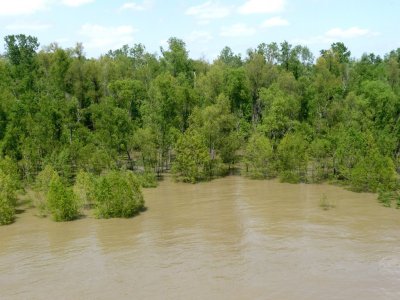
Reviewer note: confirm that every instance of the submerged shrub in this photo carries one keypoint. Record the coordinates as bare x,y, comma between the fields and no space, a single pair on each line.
387,197
8,198
9,168
147,179
292,158
7,212
326,204
192,162
42,181
61,201
41,188
84,188
258,157
8,188
373,172
117,194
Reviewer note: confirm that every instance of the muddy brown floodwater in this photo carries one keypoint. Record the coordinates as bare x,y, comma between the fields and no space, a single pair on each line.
231,238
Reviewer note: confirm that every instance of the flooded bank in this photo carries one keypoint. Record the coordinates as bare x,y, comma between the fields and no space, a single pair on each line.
231,238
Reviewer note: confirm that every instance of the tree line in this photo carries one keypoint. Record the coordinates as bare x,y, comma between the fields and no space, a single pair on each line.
130,115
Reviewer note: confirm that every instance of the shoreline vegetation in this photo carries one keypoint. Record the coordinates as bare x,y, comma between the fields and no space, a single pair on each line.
81,133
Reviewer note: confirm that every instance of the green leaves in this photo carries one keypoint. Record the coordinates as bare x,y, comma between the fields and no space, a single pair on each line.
293,158
8,199
9,184
118,195
259,157
61,201
192,157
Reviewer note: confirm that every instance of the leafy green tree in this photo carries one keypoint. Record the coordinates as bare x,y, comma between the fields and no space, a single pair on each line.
293,158
373,172
237,89
21,53
7,211
280,113
257,74
62,203
176,58
8,198
128,94
191,158
84,188
229,58
219,128
118,195
321,154
41,188
259,157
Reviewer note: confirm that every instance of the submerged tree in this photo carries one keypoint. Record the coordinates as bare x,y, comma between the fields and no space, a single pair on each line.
117,195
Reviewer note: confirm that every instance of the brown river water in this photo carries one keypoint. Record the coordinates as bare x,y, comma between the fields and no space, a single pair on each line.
231,238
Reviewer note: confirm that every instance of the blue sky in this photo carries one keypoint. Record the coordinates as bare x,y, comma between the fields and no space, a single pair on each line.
206,26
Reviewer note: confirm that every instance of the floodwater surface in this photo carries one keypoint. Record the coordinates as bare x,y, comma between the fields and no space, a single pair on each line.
231,238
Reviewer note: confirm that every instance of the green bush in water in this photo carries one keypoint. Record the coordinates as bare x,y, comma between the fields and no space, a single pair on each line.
373,172
61,201
118,195
41,188
9,167
147,179
8,198
42,181
84,188
258,157
387,197
7,211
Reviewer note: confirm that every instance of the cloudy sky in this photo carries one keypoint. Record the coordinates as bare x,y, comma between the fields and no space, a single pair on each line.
205,26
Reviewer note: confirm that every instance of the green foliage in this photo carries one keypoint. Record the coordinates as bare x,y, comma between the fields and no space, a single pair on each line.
192,159
118,195
7,211
61,201
41,188
9,185
281,111
8,198
321,164
84,188
9,167
42,182
373,172
217,127
333,119
293,158
147,179
259,157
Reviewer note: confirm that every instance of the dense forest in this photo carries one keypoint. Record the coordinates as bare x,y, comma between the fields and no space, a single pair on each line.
90,133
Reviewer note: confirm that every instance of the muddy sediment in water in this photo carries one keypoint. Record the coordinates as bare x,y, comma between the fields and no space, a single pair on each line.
231,238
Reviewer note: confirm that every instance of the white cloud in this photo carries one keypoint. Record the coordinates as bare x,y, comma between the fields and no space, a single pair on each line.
262,6
200,36
76,3
208,11
145,5
349,33
337,34
22,7
237,30
24,26
106,38
275,22
29,7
